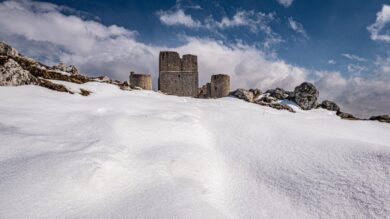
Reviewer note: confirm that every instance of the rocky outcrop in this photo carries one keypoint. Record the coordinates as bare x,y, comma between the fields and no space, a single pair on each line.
16,70
53,86
256,96
256,92
279,94
6,50
277,106
329,105
12,74
71,69
305,95
243,94
381,118
344,115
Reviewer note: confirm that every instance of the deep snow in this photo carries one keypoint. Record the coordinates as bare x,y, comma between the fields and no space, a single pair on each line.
140,154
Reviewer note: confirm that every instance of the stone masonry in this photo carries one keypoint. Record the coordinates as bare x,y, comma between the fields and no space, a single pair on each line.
143,81
218,87
178,76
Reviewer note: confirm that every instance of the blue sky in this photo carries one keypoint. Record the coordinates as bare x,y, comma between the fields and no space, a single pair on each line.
333,27
343,47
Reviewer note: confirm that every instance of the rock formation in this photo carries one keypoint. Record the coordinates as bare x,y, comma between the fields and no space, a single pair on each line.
16,70
305,95
329,105
6,50
71,69
280,94
381,118
244,95
12,74
256,96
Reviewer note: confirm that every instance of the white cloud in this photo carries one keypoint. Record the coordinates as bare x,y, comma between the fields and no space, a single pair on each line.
361,96
285,3
297,27
253,20
354,57
177,17
352,68
331,62
247,66
98,49
382,20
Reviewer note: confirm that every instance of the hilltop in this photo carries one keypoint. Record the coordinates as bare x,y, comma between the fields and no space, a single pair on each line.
117,152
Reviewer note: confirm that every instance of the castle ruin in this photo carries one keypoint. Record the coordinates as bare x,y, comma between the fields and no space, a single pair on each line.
178,76
218,87
143,81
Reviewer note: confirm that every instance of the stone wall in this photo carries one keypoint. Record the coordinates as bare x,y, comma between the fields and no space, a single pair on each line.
178,76
143,81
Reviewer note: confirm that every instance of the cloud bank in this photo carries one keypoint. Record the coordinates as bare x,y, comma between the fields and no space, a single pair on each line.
177,17
44,31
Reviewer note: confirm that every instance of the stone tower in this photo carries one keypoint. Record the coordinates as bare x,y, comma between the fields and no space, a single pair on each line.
143,81
178,76
219,86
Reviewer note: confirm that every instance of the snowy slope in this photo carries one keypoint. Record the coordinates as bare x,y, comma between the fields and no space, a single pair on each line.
140,154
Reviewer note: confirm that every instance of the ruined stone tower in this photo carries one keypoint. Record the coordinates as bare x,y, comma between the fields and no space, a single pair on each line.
219,86
178,76
143,81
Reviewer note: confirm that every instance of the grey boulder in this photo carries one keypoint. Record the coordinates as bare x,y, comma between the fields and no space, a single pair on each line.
305,96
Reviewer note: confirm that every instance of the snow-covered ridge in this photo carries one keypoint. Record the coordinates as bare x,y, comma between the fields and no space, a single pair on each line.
142,154
16,69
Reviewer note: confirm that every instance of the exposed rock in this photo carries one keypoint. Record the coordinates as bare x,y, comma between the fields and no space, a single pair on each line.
71,69
7,50
104,79
305,95
124,86
279,93
266,99
41,71
52,86
381,118
12,74
243,94
85,92
256,92
277,106
344,115
329,105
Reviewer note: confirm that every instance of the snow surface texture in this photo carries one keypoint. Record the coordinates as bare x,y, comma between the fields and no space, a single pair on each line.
141,154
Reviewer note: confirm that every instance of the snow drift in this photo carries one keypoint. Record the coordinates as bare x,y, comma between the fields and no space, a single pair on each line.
140,154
